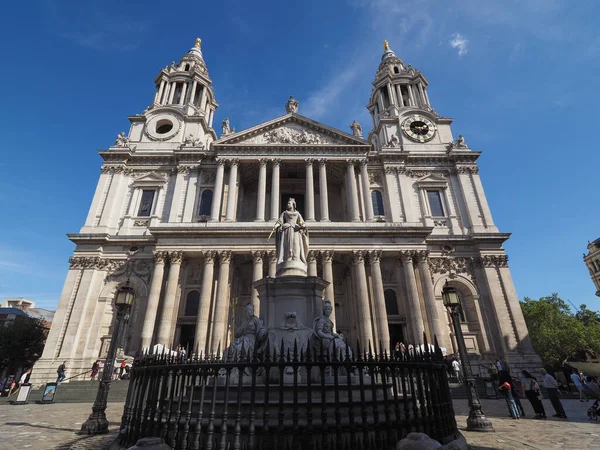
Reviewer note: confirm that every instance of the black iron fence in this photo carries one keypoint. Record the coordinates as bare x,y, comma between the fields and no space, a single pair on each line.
289,398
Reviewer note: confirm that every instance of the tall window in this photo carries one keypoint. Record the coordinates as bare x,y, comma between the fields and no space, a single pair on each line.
377,200
205,203
435,203
391,303
146,203
191,303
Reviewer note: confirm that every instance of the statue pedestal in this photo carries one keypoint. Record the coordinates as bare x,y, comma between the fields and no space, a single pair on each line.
290,294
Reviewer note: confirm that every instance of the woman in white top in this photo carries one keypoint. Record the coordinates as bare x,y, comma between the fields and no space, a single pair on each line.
533,394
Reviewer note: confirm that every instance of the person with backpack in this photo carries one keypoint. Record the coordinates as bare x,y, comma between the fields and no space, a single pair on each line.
61,372
533,394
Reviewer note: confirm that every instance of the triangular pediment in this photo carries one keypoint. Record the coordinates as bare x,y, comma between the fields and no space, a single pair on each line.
291,129
432,179
149,178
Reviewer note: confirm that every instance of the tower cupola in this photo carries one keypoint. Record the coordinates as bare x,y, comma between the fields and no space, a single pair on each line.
187,86
396,87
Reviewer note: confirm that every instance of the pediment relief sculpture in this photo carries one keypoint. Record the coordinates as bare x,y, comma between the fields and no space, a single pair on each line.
291,135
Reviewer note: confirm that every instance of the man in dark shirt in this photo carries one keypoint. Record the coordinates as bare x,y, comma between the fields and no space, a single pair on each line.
61,372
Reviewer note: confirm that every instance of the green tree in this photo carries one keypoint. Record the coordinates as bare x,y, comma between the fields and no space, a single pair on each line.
21,343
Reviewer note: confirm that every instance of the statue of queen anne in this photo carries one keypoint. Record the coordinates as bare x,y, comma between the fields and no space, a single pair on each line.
291,242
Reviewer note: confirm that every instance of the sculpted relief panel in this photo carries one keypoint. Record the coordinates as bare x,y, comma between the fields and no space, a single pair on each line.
290,134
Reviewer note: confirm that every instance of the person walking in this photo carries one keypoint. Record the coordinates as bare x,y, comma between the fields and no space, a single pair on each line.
95,369
456,369
533,394
506,390
61,372
577,379
551,386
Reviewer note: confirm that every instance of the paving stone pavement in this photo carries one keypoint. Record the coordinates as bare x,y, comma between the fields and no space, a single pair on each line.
55,426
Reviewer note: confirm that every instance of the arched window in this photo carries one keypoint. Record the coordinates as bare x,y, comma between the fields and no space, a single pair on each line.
377,200
391,303
187,67
396,70
191,303
205,202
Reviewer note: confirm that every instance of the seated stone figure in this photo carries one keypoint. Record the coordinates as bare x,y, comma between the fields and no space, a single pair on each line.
249,334
324,339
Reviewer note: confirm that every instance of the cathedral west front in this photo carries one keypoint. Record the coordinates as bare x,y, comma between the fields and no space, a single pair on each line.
183,214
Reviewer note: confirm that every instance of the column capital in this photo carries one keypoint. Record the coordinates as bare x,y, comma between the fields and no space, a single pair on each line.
257,256
209,257
327,255
220,162
322,161
309,161
160,257
494,260
176,257
276,161
350,163
406,256
374,256
225,256
263,162
390,169
271,254
234,162
358,256
312,256
421,256
363,162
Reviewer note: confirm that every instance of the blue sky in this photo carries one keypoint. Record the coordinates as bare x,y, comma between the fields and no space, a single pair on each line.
520,78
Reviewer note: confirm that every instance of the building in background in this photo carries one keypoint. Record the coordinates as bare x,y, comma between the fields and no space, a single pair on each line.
11,308
391,218
592,261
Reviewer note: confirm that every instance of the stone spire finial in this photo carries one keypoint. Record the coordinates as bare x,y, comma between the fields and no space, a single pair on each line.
292,105
198,42
387,51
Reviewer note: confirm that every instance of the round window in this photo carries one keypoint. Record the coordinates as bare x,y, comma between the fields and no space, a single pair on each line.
164,126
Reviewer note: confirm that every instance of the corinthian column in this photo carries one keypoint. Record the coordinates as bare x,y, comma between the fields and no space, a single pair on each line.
205,299
380,310
275,190
323,194
215,214
262,190
311,259
310,191
257,274
153,299
272,263
232,196
352,192
406,258
366,188
358,259
329,294
436,324
166,328
222,303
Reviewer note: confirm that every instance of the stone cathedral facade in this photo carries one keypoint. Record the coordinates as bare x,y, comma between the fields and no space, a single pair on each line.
184,214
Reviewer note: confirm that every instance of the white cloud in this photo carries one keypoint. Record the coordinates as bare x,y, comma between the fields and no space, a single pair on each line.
460,43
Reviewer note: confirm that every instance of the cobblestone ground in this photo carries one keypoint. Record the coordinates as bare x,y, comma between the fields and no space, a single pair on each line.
55,426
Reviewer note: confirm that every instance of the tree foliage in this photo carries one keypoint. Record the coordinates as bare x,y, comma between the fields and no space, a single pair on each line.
21,343
556,332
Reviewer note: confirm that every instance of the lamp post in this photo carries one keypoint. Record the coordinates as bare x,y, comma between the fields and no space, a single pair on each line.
97,422
476,420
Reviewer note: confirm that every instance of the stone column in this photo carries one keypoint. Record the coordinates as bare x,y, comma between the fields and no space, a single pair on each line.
275,190
257,274
323,194
411,95
392,194
310,191
436,324
262,191
183,93
172,92
167,327
272,263
160,92
232,195
513,305
221,304
215,214
399,94
312,263
193,92
366,188
153,299
366,338
202,319
413,296
328,293
379,303
352,192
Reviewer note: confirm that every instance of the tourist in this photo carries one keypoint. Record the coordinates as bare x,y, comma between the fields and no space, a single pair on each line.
122,368
517,394
533,394
503,370
552,387
95,369
578,381
62,369
506,390
456,370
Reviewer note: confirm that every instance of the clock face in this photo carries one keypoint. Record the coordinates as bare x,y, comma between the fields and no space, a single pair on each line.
419,128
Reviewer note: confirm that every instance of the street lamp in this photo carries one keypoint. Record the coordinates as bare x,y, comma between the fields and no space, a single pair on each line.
476,420
97,423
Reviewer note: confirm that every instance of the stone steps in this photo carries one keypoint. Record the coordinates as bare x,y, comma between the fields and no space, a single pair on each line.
79,392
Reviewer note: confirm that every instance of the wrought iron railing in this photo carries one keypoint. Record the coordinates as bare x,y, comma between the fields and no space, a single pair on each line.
281,399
